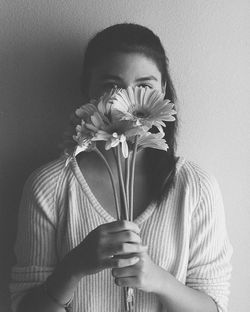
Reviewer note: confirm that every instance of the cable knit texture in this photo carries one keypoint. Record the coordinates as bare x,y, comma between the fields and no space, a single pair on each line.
186,235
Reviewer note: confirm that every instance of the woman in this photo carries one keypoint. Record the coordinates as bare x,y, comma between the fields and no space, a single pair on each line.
72,254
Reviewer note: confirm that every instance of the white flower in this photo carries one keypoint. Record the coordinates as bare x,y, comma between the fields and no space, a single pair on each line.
83,138
145,106
152,140
112,140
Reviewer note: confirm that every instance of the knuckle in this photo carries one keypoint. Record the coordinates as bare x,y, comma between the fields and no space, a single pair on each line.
129,235
121,248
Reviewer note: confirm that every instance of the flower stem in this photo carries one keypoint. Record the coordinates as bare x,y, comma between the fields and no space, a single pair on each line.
132,178
127,175
119,166
130,291
112,182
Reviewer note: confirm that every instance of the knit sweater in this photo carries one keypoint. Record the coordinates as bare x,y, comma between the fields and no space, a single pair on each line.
186,235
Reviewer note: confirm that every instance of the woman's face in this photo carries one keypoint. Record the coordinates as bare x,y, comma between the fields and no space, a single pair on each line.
124,70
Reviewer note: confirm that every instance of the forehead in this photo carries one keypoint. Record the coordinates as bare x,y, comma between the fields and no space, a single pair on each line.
127,64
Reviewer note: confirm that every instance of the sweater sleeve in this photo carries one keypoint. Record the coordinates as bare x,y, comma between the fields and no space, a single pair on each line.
209,268
35,246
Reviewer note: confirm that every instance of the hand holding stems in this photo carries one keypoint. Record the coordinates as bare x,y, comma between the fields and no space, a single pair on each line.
144,275
116,245
111,245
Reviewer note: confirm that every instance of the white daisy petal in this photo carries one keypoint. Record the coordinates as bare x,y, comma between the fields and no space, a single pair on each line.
114,142
152,140
108,145
96,120
91,127
125,149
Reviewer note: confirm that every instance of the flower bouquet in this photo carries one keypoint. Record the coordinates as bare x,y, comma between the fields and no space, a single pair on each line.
123,119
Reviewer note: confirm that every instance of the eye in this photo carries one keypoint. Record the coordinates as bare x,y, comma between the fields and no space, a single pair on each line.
144,85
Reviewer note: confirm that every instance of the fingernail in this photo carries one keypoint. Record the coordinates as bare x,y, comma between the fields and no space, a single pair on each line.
136,259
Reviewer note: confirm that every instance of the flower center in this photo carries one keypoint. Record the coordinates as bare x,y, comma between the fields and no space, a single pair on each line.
140,114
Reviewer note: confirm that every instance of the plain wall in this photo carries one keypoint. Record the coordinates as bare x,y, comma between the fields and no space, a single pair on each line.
41,49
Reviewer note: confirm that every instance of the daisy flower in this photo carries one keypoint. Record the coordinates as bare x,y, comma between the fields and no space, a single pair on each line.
145,106
83,138
152,140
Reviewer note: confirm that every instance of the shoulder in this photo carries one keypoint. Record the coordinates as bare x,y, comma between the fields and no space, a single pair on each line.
191,172
40,191
198,182
45,178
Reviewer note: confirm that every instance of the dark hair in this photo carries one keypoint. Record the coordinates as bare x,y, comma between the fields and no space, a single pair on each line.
128,38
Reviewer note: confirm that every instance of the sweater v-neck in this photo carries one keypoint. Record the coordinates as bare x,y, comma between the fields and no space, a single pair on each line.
142,217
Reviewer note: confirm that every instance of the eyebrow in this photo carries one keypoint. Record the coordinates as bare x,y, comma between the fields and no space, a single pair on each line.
147,78
114,77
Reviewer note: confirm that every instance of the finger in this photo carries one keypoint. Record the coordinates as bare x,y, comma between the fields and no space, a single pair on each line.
127,271
127,248
121,262
125,237
124,250
118,226
131,281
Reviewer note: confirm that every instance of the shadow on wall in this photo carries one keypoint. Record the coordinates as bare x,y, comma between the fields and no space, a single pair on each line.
40,87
